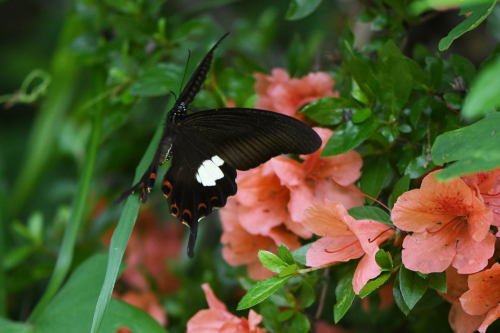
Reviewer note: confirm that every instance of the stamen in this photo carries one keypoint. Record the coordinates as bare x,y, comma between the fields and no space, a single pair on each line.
439,230
361,193
345,247
372,240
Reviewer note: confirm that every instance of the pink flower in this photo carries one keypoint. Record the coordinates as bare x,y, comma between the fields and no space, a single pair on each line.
282,94
450,225
218,320
146,301
241,247
278,192
344,239
487,187
483,296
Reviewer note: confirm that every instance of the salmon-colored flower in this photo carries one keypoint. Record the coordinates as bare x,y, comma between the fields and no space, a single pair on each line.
282,94
460,321
487,187
218,320
147,253
483,296
344,239
147,301
241,247
277,192
450,225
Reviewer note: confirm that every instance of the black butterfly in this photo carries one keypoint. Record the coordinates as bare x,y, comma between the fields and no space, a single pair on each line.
208,146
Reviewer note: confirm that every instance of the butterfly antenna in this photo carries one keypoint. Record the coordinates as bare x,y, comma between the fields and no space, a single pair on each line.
185,71
174,95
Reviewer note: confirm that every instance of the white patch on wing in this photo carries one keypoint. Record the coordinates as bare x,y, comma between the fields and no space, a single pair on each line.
209,171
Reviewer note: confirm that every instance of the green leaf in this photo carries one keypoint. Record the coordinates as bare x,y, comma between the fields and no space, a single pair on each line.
299,9
370,213
483,97
453,99
471,22
271,261
418,107
8,326
299,255
398,296
401,187
307,296
261,290
237,85
384,260
362,73
463,68
300,323
475,148
328,110
394,78
285,315
420,165
72,308
288,270
374,285
157,81
412,286
375,172
361,115
437,281
285,254
344,294
349,136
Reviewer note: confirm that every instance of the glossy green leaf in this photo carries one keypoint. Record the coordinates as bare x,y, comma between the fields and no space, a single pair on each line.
344,294
361,115
484,96
72,308
375,171
418,107
374,285
471,22
412,286
463,68
420,165
394,79
299,255
285,254
348,137
157,81
300,323
437,281
370,213
271,261
328,110
401,187
299,9
8,326
307,296
398,296
261,290
286,314
288,270
474,147
384,260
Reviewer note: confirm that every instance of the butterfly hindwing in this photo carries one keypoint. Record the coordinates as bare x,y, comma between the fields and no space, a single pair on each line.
245,138
196,182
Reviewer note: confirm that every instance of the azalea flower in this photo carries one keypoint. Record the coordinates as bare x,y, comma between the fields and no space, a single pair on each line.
450,225
242,247
282,94
218,320
483,296
147,301
487,187
460,321
147,253
278,191
344,239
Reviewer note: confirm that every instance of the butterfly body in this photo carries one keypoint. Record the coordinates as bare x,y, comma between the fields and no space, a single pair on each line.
207,147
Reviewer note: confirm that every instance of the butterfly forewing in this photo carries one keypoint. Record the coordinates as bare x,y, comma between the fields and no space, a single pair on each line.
245,138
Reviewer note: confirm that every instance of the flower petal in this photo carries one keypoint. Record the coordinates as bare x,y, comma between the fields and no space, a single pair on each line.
367,269
473,256
343,248
327,220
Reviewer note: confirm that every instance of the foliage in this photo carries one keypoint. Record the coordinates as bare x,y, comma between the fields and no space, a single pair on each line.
87,111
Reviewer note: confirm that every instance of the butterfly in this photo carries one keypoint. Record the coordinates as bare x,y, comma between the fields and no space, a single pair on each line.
207,147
